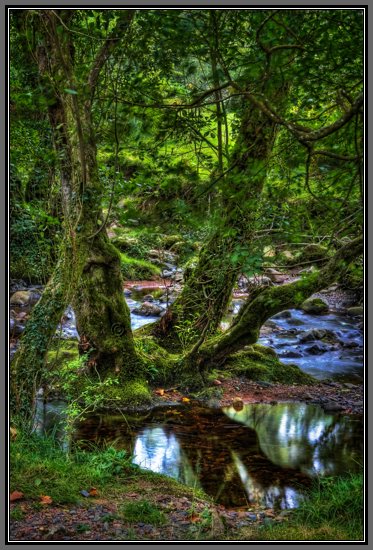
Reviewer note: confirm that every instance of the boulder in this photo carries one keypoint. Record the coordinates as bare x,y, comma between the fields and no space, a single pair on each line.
127,292
15,328
274,275
315,306
356,311
147,309
260,280
317,349
148,298
318,334
283,315
24,298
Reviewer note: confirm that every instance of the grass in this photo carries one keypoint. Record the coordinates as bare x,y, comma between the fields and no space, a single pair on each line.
333,511
143,511
135,268
40,466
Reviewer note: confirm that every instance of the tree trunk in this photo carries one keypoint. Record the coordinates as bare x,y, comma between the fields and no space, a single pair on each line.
206,293
254,313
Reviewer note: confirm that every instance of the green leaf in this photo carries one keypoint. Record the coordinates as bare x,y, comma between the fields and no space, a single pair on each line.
70,91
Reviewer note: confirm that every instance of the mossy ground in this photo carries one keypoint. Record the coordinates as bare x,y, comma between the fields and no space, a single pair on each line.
261,364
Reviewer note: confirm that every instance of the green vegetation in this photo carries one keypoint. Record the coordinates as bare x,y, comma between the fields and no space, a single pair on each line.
221,141
333,510
261,364
143,511
135,269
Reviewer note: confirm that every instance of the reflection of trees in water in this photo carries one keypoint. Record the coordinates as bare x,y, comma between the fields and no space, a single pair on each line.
264,453
303,436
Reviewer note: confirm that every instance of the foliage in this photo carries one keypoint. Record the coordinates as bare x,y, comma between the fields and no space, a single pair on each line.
143,511
333,510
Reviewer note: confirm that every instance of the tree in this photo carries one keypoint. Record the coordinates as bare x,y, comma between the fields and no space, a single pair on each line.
276,49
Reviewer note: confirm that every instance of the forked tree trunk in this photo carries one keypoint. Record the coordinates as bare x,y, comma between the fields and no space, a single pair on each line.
206,293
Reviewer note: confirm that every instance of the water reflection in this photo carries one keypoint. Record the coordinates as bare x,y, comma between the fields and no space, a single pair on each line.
262,454
304,437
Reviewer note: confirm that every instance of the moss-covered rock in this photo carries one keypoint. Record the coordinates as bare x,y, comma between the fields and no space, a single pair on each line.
261,364
315,306
136,269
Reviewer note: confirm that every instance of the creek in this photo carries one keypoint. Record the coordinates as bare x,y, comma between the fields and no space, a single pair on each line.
261,455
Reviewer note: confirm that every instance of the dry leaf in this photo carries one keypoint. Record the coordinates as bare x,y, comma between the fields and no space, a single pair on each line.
185,399
16,495
93,492
13,433
160,391
45,499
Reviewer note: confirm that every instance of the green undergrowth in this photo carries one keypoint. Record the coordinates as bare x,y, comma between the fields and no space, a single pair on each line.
333,511
136,269
261,364
40,465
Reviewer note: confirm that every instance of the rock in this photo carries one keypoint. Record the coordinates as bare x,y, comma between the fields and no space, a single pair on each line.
274,275
260,280
252,517
24,298
318,334
317,349
178,277
237,404
350,386
283,315
148,298
291,354
167,274
127,292
147,309
216,382
355,311
15,328
331,406
315,306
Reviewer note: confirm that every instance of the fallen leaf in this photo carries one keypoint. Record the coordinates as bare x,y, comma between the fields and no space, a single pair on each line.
93,492
13,433
194,518
160,391
45,499
185,399
16,495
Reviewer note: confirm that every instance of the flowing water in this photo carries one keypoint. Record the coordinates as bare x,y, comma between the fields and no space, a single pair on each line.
261,455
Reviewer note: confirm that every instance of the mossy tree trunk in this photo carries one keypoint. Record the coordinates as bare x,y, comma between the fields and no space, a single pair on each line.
245,331
206,293
88,272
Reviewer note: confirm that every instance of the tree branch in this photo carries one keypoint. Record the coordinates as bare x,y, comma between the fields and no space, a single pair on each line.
271,301
110,43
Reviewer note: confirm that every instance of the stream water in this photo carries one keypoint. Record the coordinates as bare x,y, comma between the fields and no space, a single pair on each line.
261,455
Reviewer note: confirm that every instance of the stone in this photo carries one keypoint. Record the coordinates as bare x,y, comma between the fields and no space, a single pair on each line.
315,306
274,275
147,309
283,315
24,298
317,349
127,292
332,406
355,311
291,354
15,328
260,280
148,298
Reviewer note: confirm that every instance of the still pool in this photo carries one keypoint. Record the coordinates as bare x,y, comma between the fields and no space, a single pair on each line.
262,454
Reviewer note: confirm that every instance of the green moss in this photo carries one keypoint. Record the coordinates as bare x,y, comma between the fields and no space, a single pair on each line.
61,352
158,363
259,363
134,268
315,306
